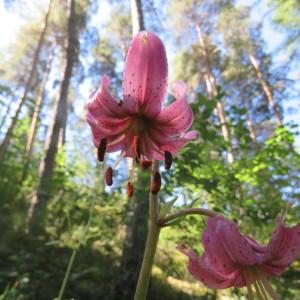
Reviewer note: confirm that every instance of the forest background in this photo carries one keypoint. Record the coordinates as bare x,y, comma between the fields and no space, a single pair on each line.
240,60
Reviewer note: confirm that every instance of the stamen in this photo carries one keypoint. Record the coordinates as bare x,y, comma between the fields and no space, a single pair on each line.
145,164
260,296
156,183
101,149
129,189
248,284
109,176
267,285
253,279
119,160
262,289
260,285
168,160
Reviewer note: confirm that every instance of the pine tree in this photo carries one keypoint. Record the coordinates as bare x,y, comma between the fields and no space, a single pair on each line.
200,17
56,132
35,61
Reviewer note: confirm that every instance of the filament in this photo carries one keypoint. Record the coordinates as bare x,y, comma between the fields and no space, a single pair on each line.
248,284
267,285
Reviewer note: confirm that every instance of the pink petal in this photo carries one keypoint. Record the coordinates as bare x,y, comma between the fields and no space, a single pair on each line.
282,249
158,142
175,145
145,74
203,270
104,104
222,238
178,116
103,126
151,148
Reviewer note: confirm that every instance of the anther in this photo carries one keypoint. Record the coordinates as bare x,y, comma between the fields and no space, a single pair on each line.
156,183
109,176
129,189
102,149
168,160
145,164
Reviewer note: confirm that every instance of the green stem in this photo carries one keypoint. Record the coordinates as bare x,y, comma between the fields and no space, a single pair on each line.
151,244
67,275
162,222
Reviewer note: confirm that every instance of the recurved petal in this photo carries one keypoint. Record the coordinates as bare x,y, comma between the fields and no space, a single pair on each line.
104,104
178,116
175,145
223,238
283,248
112,133
165,142
203,270
145,74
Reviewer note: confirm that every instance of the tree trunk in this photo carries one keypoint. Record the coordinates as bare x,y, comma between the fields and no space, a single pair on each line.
252,129
6,141
250,124
137,215
266,88
36,115
13,99
47,164
137,17
211,87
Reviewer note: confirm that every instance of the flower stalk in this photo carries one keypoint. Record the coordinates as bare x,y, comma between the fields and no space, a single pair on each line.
163,222
151,243
67,275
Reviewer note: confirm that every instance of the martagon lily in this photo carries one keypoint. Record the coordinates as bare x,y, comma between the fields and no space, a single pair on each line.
138,125
231,259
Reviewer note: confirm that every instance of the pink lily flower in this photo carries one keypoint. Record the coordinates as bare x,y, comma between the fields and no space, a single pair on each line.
231,259
138,125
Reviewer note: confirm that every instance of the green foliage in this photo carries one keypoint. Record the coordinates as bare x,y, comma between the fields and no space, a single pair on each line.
287,16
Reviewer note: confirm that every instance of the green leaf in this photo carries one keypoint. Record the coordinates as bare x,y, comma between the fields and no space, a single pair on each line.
167,206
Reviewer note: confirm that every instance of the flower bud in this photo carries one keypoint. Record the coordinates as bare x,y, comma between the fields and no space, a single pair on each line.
156,183
109,176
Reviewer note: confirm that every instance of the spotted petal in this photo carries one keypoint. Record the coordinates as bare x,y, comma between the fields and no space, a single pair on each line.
145,74
178,116
223,238
203,269
107,118
282,249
